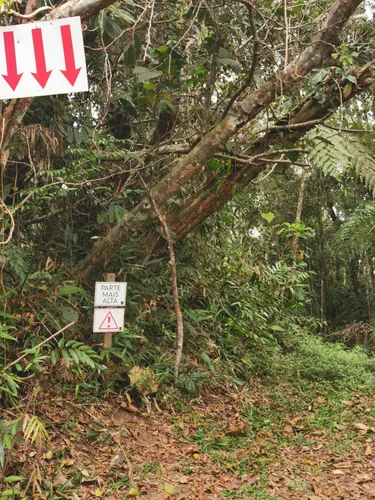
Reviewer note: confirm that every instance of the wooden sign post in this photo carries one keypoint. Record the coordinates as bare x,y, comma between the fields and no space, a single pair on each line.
109,310
107,339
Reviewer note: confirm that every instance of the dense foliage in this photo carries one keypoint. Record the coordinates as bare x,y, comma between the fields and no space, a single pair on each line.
274,232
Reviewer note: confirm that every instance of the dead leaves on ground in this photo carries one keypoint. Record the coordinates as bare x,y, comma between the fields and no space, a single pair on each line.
210,449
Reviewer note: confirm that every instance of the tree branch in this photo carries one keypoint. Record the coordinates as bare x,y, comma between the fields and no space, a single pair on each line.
194,162
176,301
254,62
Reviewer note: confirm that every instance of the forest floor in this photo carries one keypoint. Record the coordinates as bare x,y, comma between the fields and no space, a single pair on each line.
258,443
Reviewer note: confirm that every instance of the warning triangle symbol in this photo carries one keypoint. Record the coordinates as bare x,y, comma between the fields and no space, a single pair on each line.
108,323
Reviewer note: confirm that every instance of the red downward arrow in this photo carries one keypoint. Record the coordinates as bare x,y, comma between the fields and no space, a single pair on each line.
41,75
12,78
71,72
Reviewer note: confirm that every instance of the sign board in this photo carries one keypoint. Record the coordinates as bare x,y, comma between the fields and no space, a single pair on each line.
42,58
109,320
110,294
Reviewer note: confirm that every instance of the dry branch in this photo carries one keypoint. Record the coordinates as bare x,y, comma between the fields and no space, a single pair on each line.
176,301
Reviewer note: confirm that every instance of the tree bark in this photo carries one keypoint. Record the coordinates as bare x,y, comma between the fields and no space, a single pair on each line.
223,187
295,240
254,102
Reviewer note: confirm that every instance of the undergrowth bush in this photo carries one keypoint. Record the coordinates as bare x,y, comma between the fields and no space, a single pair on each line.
315,360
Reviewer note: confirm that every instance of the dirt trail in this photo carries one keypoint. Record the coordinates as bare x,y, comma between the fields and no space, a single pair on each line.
251,445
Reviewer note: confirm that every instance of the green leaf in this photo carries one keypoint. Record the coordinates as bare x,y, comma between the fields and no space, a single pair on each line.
4,335
133,52
269,216
144,74
351,79
69,290
277,328
5,315
69,314
111,28
2,454
54,356
169,488
132,492
13,479
293,156
225,58
12,492
65,355
122,13
317,77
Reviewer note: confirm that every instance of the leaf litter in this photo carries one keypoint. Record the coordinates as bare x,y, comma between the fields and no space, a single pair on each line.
250,444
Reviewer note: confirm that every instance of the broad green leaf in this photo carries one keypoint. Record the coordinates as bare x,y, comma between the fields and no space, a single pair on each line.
144,74
269,216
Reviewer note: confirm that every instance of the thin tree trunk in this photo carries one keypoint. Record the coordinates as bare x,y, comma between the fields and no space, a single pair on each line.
369,289
295,241
176,301
322,266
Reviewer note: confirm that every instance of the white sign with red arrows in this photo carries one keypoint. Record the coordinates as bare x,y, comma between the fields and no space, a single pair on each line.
42,59
109,320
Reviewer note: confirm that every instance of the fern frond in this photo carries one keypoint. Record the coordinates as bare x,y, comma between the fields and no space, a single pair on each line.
336,154
357,233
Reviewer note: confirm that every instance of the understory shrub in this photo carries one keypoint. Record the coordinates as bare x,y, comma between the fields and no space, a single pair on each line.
315,360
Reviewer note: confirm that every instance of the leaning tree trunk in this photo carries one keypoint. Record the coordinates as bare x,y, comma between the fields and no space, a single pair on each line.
254,102
222,187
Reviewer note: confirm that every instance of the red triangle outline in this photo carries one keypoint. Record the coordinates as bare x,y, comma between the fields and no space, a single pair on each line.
113,319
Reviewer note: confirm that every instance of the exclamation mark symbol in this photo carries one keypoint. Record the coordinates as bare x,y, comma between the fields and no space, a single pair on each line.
109,321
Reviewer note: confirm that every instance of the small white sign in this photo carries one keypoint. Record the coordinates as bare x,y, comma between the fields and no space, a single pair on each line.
108,320
42,58
110,294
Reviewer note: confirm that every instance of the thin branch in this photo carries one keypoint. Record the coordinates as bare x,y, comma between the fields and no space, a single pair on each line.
39,345
286,35
148,37
350,130
27,16
172,262
290,126
254,62
12,223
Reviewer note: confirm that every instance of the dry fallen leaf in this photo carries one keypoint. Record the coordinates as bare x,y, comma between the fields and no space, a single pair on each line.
128,407
60,480
48,455
368,450
362,427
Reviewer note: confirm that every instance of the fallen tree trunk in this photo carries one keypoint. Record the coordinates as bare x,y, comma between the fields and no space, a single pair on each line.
254,102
